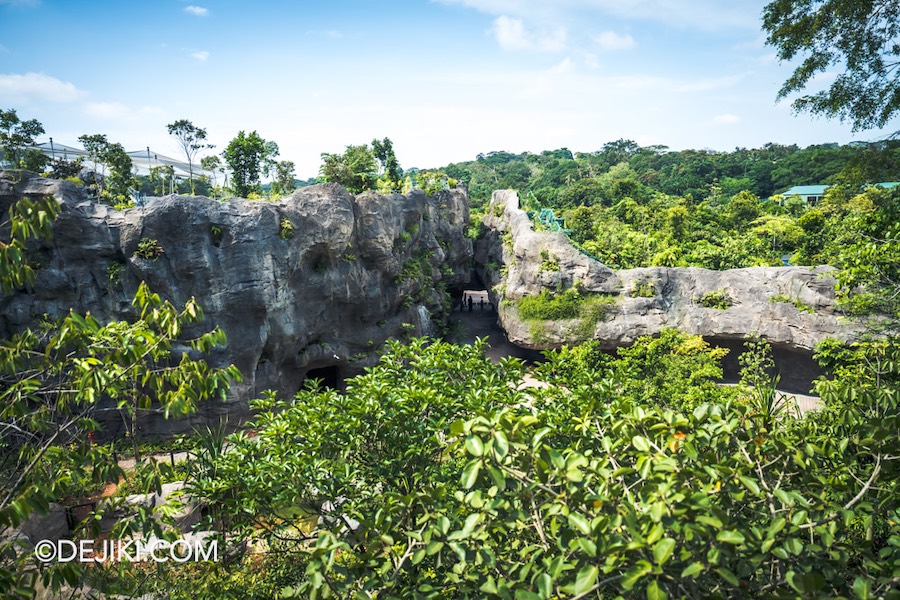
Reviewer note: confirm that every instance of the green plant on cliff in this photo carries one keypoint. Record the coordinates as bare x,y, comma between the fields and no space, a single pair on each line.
285,229
798,304
149,249
717,299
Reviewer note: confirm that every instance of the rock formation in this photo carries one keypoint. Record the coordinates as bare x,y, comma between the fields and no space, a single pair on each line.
318,280
792,307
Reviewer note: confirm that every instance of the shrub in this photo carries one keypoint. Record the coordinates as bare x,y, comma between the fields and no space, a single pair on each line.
215,232
590,309
717,299
797,302
643,289
149,249
114,273
548,263
286,229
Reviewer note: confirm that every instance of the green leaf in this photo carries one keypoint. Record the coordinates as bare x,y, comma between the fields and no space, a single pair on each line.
728,576
730,536
470,474
585,579
862,588
654,592
750,484
710,520
634,574
474,445
501,444
640,443
692,569
663,550
580,523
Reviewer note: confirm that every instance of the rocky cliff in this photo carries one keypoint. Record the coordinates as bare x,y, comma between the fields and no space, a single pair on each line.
792,307
313,283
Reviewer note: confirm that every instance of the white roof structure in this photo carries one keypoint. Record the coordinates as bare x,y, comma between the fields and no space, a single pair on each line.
142,160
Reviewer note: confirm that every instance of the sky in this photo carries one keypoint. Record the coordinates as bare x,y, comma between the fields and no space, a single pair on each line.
445,80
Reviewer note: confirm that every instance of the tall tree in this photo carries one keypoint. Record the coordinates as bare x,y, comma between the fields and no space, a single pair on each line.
389,166
213,164
247,156
15,135
284,182
192,140
859,35
104,155
355,169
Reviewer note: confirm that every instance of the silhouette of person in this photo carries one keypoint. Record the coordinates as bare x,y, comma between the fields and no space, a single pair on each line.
470,303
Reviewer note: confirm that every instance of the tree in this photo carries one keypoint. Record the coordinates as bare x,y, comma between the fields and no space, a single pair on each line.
192,140
162,178
355,169
103,154
56,381
861,37
15,135
247,155
390,170
284,182
213,164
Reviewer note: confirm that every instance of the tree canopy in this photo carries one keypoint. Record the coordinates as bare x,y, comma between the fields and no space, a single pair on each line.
192,139
248,156
860,37
15,135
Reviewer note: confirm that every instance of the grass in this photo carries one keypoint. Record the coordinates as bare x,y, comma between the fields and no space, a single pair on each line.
799,304
588,309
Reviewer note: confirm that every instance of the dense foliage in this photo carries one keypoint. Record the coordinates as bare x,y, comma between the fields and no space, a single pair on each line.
248,157
561,179
438,475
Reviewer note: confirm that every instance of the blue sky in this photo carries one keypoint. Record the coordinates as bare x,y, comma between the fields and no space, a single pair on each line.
444,79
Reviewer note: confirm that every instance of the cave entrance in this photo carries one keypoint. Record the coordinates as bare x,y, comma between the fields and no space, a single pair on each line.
329,376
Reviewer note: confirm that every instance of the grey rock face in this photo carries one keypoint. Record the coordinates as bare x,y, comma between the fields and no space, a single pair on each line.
510,254
319,279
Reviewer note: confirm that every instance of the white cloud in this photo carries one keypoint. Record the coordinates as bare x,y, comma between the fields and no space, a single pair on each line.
17,88
197,11
566,65
726,119
333,34
200,55
610,40
708,15
590,61
119,112
512,35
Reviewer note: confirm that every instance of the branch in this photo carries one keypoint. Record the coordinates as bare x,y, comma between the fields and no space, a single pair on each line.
854,500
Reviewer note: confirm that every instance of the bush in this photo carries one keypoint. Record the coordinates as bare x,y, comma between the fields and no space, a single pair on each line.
797,302
717,299
285,229
149,249
460,485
